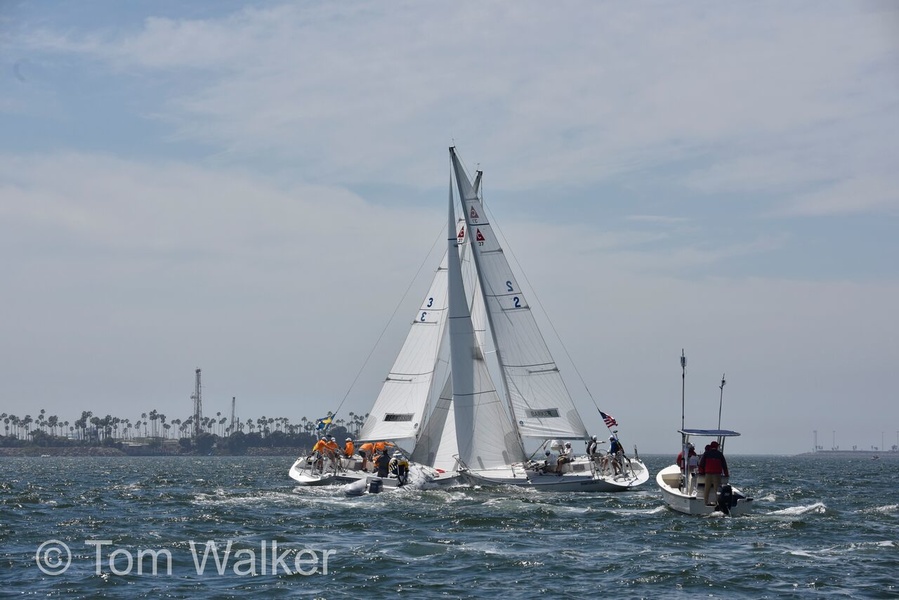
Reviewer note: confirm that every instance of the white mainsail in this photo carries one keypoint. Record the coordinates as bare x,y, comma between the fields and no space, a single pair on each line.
437,445
535,391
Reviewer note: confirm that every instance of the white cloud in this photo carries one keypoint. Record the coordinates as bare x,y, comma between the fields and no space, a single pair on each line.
363,92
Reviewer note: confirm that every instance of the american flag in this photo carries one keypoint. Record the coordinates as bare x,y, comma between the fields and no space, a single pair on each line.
609,419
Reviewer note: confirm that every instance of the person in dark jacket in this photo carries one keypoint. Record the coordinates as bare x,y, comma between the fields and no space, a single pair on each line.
714,465
383,464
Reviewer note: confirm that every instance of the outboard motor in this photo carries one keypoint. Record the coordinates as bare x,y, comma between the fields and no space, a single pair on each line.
374,485
726,499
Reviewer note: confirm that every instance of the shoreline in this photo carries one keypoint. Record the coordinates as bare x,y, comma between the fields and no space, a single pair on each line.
104,451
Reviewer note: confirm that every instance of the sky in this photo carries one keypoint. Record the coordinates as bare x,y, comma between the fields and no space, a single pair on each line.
259,190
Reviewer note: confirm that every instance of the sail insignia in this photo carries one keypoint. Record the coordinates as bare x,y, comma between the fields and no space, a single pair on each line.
393,417
543,413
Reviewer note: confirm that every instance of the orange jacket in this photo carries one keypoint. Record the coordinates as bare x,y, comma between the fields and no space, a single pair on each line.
379,446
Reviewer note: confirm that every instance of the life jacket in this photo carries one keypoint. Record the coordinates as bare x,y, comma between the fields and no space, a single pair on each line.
349,449
713,463
319,446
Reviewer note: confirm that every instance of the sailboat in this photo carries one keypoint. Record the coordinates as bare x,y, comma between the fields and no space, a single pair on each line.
683,487
439,402
493,422
414,409
407,396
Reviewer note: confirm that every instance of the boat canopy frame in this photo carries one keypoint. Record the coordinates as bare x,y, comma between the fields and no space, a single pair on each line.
709,432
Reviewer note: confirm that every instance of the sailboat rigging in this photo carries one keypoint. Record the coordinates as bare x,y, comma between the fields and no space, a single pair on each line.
492,432
439,400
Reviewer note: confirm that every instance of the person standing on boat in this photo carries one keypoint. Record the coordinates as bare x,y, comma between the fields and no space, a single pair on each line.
714,465
402,468
366,451
693,466
332,449
592,447
318,452
383,464
691,453
349,449
565,456
616,453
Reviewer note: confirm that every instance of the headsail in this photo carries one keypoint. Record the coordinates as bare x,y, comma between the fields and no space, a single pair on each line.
535,391
411,387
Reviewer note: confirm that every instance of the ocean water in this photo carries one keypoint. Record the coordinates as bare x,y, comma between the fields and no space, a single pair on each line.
822,528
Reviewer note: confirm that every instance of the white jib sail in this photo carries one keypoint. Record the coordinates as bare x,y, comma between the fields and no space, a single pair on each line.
539,400
409,391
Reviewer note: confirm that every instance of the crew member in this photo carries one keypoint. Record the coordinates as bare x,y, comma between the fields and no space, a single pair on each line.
349,448
714,465
383,464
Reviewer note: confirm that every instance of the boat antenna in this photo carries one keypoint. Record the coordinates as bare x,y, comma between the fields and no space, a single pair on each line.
721,399
683,383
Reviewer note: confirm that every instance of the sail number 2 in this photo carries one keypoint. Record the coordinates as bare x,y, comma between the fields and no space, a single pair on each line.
516,301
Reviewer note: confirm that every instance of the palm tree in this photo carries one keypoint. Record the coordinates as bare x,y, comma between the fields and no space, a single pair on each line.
53,422
154,416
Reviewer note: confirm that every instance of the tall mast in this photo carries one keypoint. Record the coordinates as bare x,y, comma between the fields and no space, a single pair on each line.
683,383
233,425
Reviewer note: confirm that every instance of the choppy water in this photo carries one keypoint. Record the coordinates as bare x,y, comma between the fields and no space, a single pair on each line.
823,527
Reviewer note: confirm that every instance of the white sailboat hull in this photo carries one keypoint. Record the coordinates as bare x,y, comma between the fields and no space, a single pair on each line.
349,471
303,472
692,503
577,477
